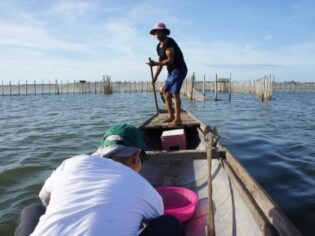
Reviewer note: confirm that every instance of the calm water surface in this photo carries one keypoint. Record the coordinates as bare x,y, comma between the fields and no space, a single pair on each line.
275,141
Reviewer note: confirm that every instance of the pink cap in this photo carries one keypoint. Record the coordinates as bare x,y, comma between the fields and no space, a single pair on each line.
160,26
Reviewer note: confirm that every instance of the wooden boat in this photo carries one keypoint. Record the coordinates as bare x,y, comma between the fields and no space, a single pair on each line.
239,205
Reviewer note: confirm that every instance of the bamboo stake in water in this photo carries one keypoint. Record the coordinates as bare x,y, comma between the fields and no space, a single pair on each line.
192,86
216,87
204,87
230,87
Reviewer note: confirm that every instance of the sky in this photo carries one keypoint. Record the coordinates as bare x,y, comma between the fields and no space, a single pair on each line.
72,40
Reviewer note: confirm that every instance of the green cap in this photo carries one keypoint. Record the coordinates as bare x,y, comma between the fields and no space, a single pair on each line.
125,135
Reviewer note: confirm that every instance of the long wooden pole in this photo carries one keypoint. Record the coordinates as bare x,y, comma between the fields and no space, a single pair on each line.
153,85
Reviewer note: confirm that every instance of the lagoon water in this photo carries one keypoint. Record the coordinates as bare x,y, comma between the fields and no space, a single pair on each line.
275,141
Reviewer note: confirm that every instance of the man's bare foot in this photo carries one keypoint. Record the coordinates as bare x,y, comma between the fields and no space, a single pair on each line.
175,123
170,119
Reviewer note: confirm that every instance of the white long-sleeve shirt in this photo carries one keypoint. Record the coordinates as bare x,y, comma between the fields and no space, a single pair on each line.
92,195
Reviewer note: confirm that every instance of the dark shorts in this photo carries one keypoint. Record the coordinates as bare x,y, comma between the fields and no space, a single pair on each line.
175,80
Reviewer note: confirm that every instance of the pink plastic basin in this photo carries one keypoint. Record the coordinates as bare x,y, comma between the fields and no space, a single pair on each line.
179,202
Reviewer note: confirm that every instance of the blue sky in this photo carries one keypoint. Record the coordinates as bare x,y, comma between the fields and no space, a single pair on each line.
83,40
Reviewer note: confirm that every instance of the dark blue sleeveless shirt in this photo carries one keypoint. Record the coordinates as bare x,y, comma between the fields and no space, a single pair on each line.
179,62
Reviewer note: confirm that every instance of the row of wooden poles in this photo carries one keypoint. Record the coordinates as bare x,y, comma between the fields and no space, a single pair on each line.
76,87
83,87
192,88
294,86
263,87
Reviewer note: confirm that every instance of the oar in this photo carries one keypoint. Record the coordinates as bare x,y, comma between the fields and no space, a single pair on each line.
153,85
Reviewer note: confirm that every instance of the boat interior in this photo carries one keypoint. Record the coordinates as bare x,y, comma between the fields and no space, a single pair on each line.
233,212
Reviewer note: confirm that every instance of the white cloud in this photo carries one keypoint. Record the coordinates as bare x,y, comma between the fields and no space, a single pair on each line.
120,69
120,36
245,62
28,36
85,39
73,7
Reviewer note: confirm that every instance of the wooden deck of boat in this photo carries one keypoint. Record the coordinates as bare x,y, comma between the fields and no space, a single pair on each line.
156,122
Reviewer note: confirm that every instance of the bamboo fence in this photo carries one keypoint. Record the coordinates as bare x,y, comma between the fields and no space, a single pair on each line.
192,89
189,90
263,87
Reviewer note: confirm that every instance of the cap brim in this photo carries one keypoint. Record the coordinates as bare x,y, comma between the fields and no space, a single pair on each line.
116,150
167,31
126,152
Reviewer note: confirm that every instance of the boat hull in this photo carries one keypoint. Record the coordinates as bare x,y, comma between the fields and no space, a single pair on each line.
239,205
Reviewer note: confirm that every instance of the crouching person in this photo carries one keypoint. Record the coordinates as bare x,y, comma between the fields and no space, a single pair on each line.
100,194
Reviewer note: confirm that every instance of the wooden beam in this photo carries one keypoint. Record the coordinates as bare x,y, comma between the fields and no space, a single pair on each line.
211,226
178,155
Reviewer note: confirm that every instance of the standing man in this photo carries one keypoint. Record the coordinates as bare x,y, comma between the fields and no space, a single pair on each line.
101,194
172,57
